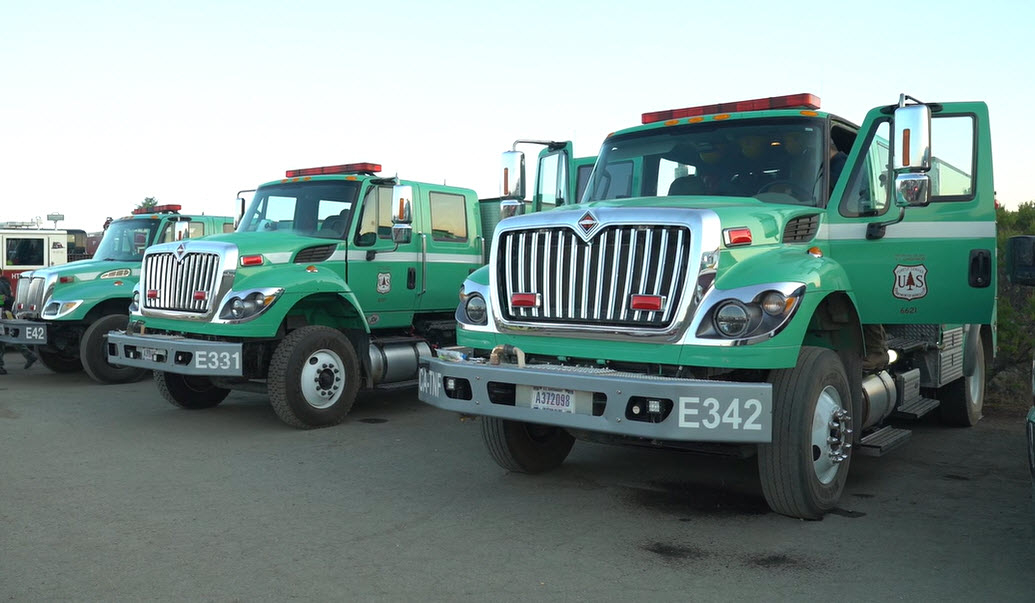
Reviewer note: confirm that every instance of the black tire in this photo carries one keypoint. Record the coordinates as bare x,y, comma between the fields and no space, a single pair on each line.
313,378
803,470
525,447
58,361
192,392
93,352
963,399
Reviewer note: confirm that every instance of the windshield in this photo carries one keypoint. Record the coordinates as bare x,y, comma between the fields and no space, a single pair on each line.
320,208
125,240
777,161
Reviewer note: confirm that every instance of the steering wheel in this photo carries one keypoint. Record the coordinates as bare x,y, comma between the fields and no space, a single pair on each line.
788,187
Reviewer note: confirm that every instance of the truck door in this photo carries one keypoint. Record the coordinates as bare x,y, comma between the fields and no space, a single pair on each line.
448,229
386,279
938,264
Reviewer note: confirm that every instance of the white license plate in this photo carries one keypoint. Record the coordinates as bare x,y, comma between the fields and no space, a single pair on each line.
36,334
152,354
548,398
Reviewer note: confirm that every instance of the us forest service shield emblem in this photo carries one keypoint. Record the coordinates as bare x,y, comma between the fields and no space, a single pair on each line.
910,282
384,282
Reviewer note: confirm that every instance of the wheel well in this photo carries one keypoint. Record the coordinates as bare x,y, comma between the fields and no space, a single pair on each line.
835,324
118,305
988,344
331,310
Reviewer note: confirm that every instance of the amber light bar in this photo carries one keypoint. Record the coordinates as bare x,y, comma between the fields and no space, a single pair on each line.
790,101
346,168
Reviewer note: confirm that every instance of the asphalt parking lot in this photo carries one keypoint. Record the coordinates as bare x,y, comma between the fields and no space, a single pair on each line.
109,493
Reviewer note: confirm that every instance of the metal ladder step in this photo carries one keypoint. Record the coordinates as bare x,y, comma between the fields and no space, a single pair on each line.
883,441
907,344
916,409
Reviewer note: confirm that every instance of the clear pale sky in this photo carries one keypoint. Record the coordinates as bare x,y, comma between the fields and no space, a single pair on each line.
103,103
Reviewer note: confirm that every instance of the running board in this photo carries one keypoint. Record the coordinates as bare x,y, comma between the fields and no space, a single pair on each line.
916,409
883,441
395,386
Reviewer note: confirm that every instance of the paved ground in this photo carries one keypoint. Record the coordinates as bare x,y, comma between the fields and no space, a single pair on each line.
109,493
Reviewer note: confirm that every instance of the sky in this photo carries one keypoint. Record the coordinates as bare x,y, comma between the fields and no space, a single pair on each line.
104,103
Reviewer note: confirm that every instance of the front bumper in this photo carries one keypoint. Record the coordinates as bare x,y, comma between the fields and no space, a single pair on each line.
28,332
699,410
174,354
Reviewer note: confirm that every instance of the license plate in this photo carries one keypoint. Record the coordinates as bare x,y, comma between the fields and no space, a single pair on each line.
548,398
152,354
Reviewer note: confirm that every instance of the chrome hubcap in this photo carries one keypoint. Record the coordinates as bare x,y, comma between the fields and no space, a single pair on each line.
322,379
831,435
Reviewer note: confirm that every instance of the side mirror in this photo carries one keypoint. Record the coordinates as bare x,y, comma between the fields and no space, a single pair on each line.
512,183
912,147
1020,260
402,215
511,207
912,190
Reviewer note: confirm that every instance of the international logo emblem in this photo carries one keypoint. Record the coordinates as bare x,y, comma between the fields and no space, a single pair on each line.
180,250
910,282
588,225
384,282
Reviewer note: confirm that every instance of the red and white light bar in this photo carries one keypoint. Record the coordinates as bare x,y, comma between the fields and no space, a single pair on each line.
790,101
347,168
157,209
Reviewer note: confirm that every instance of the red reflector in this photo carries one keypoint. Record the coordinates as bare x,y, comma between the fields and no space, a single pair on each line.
650,303
199,296
524,300
347,168
152,293
251,260
20,307
736,236
790,101
64,280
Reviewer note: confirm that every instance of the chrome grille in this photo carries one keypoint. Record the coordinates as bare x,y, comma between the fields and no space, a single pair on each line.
185,285
29,295
576,282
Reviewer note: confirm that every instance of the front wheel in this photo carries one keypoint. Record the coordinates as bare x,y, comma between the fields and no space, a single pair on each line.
59,362
313,378
525,447
803,470
963,399
93,352
189,391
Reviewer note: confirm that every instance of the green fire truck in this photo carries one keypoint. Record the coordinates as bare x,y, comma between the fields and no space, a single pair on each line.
755,277
67,310
335,279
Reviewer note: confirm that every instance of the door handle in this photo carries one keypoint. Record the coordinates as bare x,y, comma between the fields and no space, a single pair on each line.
980,272
411,278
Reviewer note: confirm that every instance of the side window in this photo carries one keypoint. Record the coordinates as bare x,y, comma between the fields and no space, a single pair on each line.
867,191
196,230
448,217
552,175
582,180
376,220
952,161
24,252
228,226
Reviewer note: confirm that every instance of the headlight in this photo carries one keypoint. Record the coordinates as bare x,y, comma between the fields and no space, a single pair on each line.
134,304
248,304
476,309
731,319
774,303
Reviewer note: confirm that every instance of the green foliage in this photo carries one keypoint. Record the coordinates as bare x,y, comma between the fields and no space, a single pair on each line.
1016,303
147,203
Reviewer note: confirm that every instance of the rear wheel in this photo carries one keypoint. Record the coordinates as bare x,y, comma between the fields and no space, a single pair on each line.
93,352
803,470
313,377
189,391
963,399
59,362
525,447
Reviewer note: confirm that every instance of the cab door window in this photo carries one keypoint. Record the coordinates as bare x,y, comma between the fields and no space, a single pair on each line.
952,161
448,217
375,221
867,191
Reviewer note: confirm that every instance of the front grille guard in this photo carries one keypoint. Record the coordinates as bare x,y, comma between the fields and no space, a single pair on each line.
703,228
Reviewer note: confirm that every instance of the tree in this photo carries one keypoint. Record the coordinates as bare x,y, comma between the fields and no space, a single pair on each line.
147,203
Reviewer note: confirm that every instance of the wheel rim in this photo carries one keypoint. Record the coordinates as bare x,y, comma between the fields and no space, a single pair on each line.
323,379
831,435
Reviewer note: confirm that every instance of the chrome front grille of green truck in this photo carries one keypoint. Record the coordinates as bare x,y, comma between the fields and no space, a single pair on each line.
548,275
180,284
